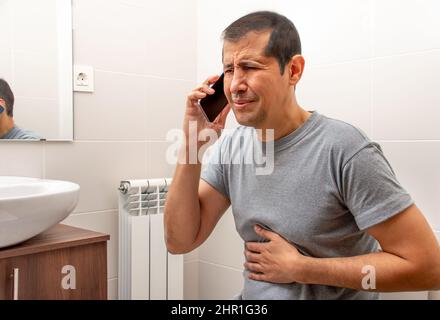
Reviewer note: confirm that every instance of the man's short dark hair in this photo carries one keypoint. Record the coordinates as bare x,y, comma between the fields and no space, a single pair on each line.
7,95
284,41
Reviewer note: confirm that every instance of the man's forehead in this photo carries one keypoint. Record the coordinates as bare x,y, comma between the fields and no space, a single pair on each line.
252,46
242,56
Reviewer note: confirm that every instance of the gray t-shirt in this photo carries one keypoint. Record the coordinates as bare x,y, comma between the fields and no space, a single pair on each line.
329,184
18,133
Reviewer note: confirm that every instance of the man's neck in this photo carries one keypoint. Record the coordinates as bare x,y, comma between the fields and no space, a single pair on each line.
6,125
287,122
292,123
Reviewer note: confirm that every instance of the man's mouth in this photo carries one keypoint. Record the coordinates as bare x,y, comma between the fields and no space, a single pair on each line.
240,104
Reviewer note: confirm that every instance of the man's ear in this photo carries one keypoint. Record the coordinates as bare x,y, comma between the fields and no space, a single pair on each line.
296,68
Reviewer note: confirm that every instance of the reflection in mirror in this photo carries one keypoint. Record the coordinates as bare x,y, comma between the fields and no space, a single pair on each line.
36,99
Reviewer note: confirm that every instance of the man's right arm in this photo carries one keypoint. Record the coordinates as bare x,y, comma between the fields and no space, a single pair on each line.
192,210
193,207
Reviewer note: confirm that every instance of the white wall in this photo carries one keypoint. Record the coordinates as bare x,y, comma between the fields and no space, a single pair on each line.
375,64
144,55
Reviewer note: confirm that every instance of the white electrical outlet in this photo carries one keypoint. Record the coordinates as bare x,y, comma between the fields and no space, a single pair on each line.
83,79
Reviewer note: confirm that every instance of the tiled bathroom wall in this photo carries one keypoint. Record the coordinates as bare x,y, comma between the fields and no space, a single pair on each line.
372,63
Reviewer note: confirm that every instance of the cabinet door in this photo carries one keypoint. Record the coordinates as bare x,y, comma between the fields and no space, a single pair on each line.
72,273
5,280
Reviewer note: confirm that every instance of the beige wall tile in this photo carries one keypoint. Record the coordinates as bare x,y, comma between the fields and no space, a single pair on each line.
98,167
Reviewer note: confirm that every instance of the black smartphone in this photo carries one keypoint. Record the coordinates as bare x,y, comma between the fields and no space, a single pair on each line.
213,104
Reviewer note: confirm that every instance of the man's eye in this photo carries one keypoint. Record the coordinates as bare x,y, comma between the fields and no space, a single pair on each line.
228,71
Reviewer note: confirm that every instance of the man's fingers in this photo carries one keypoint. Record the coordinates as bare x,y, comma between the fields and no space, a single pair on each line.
266,234
257,276
196,95
254,267
255,246
211,80
205,89
251,256
200,92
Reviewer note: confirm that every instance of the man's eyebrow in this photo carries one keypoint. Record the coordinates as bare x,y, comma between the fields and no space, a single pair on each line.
252,61
243,63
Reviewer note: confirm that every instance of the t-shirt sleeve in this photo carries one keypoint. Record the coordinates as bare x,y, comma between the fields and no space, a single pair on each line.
213,171
371,190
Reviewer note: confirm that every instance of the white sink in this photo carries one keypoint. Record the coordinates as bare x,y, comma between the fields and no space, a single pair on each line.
29,206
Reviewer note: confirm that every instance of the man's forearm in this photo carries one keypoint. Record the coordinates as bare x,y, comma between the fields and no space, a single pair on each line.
380,271
182,210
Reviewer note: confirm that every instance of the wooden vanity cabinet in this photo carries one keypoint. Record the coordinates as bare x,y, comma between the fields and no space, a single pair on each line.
62,263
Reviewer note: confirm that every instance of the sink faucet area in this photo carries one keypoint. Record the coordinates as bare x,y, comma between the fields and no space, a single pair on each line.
29,206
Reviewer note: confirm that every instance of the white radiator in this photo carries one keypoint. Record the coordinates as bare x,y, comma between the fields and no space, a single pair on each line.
146,270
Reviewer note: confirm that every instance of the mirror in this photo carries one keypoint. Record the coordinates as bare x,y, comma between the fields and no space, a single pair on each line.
36,63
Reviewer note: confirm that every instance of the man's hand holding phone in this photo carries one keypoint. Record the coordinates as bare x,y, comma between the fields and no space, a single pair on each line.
194,112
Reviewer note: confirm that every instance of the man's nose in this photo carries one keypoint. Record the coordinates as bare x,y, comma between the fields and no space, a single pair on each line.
238,83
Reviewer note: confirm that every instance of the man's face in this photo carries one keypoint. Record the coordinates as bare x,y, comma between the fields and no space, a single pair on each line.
254,86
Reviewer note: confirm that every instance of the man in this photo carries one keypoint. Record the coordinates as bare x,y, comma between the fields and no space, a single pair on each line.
8,129
332,196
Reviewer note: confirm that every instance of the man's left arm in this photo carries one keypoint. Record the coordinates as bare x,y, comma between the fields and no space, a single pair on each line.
409,260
